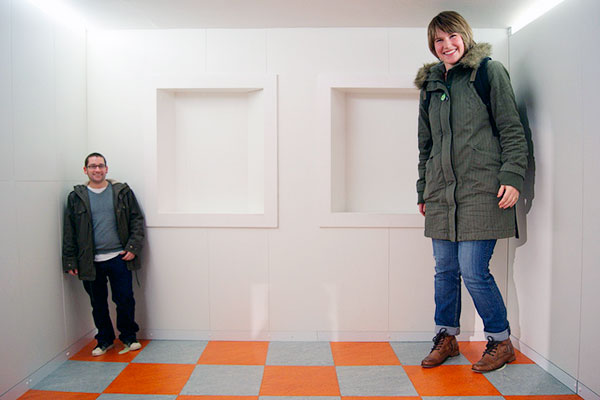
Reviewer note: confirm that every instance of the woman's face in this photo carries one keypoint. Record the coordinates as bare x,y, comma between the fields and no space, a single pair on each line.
449,48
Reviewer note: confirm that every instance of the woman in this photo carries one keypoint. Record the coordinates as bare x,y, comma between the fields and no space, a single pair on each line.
470,176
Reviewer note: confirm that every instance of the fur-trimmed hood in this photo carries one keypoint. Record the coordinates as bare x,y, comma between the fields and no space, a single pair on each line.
470,60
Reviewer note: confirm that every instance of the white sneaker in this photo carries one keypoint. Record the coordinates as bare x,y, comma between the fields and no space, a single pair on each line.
133,346
101,349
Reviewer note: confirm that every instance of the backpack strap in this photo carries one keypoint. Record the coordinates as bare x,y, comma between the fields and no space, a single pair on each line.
481,81
426,95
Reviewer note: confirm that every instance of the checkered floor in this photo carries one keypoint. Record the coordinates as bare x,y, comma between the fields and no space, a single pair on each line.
168,370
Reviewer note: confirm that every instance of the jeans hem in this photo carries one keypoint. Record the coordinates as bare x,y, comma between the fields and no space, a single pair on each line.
498,336
450,330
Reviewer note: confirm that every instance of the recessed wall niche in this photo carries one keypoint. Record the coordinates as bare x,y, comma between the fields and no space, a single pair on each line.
370,154
212,153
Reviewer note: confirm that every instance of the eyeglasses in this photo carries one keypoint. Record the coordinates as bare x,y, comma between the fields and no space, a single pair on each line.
94,166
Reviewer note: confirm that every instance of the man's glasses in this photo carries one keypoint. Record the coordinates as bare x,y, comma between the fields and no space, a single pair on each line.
94,166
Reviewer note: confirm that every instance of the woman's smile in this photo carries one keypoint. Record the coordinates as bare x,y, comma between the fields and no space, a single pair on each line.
449,48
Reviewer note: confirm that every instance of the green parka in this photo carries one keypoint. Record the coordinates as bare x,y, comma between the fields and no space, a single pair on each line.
78,237
461,163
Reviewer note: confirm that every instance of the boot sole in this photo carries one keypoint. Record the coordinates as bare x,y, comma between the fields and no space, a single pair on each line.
437,365
500,368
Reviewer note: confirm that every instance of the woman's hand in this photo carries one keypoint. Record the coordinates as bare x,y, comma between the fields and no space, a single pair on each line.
422,208
509,196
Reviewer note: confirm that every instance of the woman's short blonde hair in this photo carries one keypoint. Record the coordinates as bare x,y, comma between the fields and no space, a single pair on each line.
450,22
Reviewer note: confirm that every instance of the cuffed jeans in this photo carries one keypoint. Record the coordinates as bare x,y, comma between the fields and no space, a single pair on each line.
115,270
469,259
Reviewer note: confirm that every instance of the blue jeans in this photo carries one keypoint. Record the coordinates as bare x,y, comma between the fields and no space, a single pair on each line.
469,259
115,270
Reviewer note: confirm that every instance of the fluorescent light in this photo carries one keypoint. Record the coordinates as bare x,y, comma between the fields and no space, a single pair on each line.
532,12
60,12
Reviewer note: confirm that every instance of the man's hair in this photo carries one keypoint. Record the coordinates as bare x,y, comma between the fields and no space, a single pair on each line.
450,22
94,155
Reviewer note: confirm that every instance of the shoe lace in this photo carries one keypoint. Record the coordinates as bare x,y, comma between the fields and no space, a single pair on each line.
438,339
491,346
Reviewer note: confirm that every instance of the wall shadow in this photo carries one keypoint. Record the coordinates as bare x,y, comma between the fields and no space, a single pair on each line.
525,105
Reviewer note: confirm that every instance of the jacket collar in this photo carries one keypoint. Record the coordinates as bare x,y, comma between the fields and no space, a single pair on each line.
81,189
436,70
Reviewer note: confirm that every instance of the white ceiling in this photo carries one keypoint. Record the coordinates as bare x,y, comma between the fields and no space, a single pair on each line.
171,14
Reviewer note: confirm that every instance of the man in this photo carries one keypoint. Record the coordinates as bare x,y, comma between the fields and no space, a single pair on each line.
102,238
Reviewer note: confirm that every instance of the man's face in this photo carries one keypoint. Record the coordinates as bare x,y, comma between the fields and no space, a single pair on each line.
96,170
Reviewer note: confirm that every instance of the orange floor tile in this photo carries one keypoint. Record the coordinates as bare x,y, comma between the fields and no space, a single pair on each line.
474,350
111,355
449,380
299,381
381,398
380,353
46,395
235,353
151,379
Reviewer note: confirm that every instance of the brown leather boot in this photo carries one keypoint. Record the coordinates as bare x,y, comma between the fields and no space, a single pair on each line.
495,355
444,346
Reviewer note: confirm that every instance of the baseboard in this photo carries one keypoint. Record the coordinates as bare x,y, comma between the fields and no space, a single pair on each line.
586,393
20,388
307,336
173,334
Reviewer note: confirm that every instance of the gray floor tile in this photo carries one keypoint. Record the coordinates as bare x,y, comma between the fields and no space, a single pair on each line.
171,352
136,397
227,380
299,353
462,397
299,398
374,381
411,353
81,376
524,380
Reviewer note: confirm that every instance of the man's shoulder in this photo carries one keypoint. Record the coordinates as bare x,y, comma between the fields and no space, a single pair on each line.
119,186
78,190
121,189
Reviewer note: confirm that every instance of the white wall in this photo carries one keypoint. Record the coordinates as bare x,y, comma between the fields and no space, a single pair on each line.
297,281
42,142
589,350
553,297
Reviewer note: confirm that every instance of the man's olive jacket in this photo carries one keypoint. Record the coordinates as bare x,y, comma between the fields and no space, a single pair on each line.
78,236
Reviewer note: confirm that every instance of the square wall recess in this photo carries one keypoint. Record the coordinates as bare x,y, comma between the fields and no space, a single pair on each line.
369,152
212,153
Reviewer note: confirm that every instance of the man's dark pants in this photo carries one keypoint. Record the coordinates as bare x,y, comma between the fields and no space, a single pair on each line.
115,270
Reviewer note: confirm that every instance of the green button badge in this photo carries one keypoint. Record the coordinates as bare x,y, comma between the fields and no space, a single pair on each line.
443,96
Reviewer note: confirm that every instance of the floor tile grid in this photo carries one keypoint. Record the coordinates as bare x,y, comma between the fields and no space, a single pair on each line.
166,369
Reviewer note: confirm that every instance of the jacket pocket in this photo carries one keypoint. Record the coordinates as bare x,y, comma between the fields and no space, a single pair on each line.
80,215
434,180
483,172
79,208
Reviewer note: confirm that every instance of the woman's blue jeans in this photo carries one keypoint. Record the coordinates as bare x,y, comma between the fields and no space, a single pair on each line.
469,260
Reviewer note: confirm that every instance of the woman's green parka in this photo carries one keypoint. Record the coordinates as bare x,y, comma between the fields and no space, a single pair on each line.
461,163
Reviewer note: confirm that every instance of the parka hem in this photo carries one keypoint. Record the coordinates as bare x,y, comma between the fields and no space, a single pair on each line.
470,236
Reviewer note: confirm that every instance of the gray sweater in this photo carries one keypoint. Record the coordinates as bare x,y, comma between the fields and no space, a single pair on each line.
104,222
